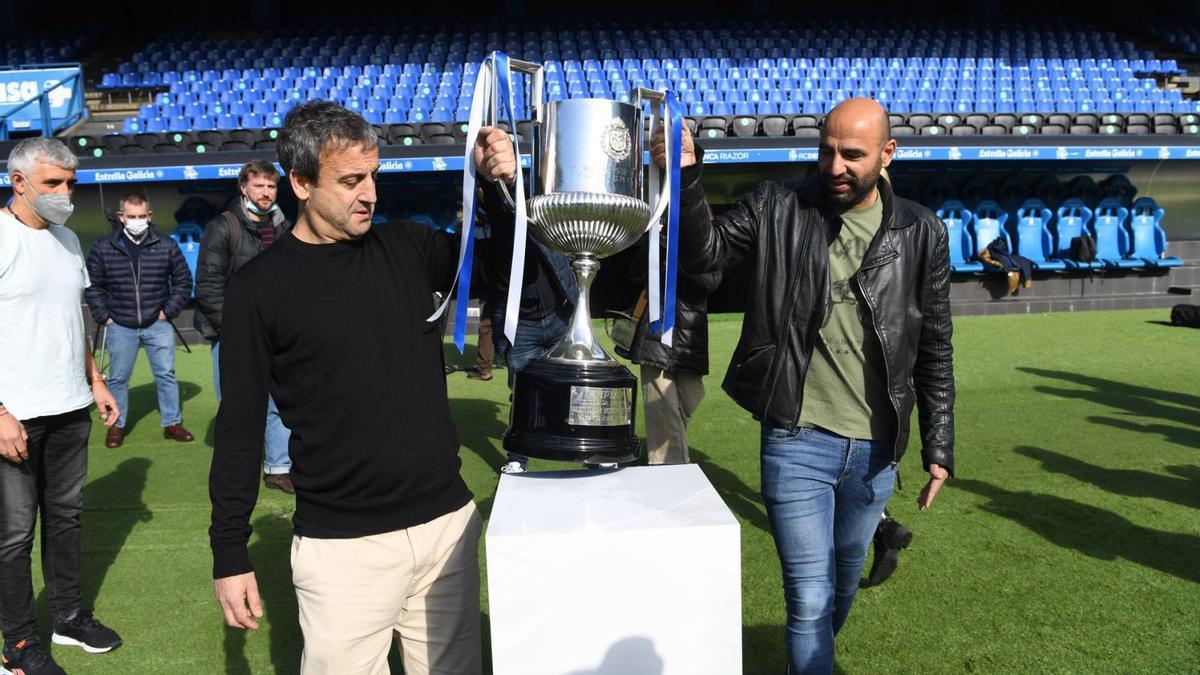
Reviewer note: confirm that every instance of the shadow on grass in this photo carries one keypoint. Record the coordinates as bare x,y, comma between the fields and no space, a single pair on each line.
271,554
1139,403
113,506
143,401
1184,490
739,497
108,525
479,429
765,652
1179,435
763,649
1092,531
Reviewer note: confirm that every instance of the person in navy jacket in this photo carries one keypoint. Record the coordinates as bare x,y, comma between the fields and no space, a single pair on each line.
140,281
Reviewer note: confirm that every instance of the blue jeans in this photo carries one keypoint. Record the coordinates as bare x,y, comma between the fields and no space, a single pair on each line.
534,338
158,339
824,496
275,440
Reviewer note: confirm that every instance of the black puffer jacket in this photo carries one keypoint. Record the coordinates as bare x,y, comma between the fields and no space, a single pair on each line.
216,263
133,296
905,277
688,352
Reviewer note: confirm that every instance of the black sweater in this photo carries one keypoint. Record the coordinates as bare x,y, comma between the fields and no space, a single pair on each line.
337,334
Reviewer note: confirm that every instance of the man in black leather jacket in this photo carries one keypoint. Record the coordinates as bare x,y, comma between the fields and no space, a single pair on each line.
847,327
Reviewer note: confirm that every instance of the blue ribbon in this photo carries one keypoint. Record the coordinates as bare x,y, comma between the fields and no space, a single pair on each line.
464,283
674,125
463,297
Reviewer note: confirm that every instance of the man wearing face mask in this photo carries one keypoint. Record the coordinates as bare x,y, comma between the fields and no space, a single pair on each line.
47,383
252,223
849,330
140,282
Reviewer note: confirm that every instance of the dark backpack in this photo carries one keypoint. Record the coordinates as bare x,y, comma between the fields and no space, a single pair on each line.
1083,249
1186,315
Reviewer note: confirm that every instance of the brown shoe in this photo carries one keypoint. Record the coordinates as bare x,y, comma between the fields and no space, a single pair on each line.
115,437
279,481
176,432
477,374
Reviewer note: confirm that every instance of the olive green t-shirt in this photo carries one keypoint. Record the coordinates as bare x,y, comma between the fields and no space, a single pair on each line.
845,390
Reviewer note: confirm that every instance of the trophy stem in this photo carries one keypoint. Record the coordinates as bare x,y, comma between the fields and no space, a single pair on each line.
579,344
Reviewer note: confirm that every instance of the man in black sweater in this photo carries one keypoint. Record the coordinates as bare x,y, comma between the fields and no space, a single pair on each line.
331,322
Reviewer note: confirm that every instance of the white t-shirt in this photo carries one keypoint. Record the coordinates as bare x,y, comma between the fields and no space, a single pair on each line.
42,277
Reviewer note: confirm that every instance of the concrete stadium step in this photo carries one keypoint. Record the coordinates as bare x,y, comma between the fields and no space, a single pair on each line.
1083,291
1020,305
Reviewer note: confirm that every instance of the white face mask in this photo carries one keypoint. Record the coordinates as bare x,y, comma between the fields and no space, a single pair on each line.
136,227
52,208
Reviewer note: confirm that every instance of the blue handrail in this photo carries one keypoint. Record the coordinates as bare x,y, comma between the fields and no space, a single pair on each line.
43,100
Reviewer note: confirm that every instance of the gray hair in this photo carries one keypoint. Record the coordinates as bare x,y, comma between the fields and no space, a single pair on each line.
26,155
310,128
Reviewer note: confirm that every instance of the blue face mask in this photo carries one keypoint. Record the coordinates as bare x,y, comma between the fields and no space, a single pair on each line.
253,208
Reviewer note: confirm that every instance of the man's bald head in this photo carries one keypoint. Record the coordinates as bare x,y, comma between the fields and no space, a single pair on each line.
856,144
862,117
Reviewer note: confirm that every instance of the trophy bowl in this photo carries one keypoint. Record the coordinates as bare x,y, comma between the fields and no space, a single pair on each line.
597,224
576,403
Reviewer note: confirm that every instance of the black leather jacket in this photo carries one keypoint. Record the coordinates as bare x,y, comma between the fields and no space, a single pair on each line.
905,277
688,352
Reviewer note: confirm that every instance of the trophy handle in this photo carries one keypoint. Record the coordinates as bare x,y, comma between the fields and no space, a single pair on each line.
658,99
537,106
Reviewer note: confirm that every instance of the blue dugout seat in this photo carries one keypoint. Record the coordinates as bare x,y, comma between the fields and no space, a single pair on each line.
1112,240
957,219
1033,239
187,234
989,224
1149,239
1072,220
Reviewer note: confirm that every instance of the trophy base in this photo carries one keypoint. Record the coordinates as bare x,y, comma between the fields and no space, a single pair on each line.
573,412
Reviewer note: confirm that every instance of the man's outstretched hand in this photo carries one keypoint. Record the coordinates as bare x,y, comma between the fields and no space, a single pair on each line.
239,600
937,476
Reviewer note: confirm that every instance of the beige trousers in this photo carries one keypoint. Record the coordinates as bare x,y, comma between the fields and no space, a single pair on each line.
669,399
420,584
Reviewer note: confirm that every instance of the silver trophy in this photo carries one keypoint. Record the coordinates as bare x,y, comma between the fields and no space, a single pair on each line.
576,402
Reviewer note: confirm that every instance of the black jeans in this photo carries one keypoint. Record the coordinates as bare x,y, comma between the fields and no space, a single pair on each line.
50,480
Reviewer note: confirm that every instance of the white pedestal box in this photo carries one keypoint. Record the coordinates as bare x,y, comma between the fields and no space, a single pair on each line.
634,571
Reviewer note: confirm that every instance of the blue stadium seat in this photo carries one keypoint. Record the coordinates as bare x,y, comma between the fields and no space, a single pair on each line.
957,218
202,123
1073,220
1149,239
1112,240
1033,238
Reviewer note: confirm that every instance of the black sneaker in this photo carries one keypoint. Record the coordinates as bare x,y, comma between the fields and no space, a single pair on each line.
27,658
890,537
83,630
